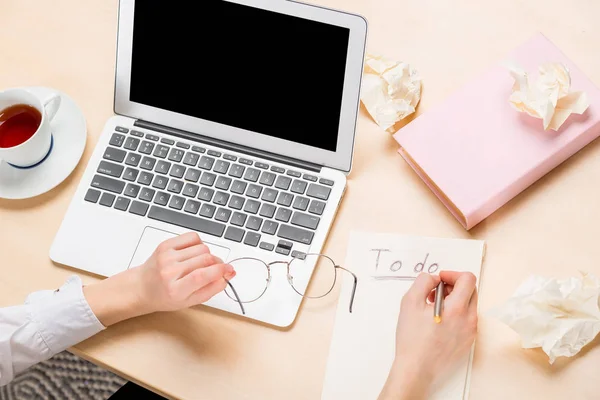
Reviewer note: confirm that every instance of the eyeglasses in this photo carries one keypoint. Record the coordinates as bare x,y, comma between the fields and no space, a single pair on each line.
253,277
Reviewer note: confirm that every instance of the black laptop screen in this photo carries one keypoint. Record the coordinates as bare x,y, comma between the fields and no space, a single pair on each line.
241,66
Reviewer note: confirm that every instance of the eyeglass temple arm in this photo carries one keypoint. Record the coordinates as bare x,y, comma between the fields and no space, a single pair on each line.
237,298
353,287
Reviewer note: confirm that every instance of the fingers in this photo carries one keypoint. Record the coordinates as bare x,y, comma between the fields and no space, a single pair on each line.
447,291
463,283
200,261
422,287
191,252
206,293
182,241
202,277
473,303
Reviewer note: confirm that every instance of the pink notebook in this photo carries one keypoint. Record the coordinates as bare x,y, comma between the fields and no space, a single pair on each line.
475,152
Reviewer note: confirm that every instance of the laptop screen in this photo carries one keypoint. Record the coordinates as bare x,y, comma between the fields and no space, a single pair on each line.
241,66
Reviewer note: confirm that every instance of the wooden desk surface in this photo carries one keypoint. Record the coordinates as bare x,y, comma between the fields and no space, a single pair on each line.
551,229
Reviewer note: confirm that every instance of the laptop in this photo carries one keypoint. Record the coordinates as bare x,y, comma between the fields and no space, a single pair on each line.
234,119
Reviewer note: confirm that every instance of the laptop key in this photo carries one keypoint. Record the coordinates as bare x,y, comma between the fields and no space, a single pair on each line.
151,137
237,170
132,190
223,183
236,202
138,208
162,198
208,179
300,203
160,182
279,170
131,174
235,234
191,159
175,186
206,162
192,175
295,174
146,178
162,167
113,154
206,194
266,246
239,187
208,210
283,214
267,178
182,145
245,161
238,218
198,149
284,244
311,178
269,195
108,184
305,220
261,165
146,147
251,174
177,171
316,207
327,182
132,143
213,153
283,182
190,190
221,198
296,234
252,239
254,191
252,206
254,223
161,151
267,210
147,194
298,186
281,250
136,133
176,202
318,191
92,195
229,157
285,199
148,163
192,206
298,254
223,215
121,129
122,203
133,159
110,169
175,154
221,166
117,140
167,141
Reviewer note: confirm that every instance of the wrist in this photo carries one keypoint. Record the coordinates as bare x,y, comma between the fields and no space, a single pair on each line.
406,381
117,298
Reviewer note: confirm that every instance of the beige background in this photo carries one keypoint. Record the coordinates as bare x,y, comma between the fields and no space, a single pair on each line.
551,229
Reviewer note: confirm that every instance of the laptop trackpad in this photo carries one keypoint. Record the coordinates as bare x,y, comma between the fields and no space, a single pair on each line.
152,237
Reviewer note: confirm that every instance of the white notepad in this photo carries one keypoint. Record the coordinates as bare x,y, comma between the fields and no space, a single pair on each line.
363,343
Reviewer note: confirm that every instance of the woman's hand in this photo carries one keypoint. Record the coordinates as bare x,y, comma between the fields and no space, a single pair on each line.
180,273
426,351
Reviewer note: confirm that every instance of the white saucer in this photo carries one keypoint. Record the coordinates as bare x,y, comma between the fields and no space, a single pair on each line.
70,134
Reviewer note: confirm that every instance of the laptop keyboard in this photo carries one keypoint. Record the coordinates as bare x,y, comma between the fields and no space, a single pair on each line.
209,191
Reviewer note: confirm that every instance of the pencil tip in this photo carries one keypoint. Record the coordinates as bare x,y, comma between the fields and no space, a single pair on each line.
437,319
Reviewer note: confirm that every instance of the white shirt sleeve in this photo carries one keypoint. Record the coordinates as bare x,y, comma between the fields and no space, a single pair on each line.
49,322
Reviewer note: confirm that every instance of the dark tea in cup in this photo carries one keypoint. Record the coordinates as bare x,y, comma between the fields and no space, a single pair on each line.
18,123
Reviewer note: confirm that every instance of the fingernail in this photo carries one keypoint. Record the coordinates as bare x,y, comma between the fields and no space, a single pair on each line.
228,269
230,275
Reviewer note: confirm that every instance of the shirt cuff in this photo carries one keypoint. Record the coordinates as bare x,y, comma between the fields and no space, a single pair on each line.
63,316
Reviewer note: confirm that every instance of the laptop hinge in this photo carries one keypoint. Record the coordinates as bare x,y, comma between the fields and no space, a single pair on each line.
228,145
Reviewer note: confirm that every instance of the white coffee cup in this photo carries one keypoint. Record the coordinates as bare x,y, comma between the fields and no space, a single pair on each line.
37,147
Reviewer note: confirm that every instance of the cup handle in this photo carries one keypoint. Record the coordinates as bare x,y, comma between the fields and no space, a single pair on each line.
51,105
